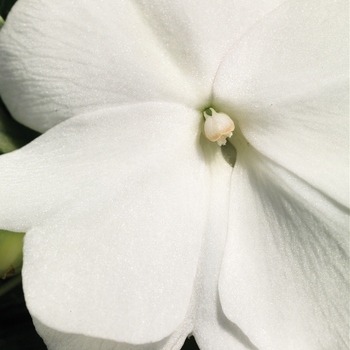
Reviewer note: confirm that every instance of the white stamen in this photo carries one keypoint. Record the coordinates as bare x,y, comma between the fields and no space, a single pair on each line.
217,126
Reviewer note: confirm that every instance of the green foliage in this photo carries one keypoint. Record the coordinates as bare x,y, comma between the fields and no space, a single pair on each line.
11,244
5,7
12,134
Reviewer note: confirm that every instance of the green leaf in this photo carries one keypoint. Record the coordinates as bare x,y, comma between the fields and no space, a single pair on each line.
12,134
5,7
11,256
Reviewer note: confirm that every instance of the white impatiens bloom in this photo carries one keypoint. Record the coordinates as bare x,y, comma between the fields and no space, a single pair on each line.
140,230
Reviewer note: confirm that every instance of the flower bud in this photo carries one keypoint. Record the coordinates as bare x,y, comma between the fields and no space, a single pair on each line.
217,126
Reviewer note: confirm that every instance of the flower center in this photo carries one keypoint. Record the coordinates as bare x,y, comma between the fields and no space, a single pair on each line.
217,126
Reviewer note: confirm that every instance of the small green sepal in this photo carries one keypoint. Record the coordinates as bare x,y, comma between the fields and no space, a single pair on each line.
208,112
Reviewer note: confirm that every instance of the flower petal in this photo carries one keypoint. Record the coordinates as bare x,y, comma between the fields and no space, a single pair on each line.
285,277
59,60
198,33
286,84
114,204
212,329
56,340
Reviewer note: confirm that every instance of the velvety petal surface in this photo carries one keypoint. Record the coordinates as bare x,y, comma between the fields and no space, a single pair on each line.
285,274
114,204
56,340
63,59
212,329
286,85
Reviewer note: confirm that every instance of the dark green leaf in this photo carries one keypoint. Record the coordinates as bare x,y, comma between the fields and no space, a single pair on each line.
5,7
12,134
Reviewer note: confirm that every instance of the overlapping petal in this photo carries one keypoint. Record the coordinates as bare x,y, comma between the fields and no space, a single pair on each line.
56,340
285,276
121,196
63,59
285,273
114,204
286,84
212,329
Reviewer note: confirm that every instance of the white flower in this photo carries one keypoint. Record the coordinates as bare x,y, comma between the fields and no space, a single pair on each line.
138,230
